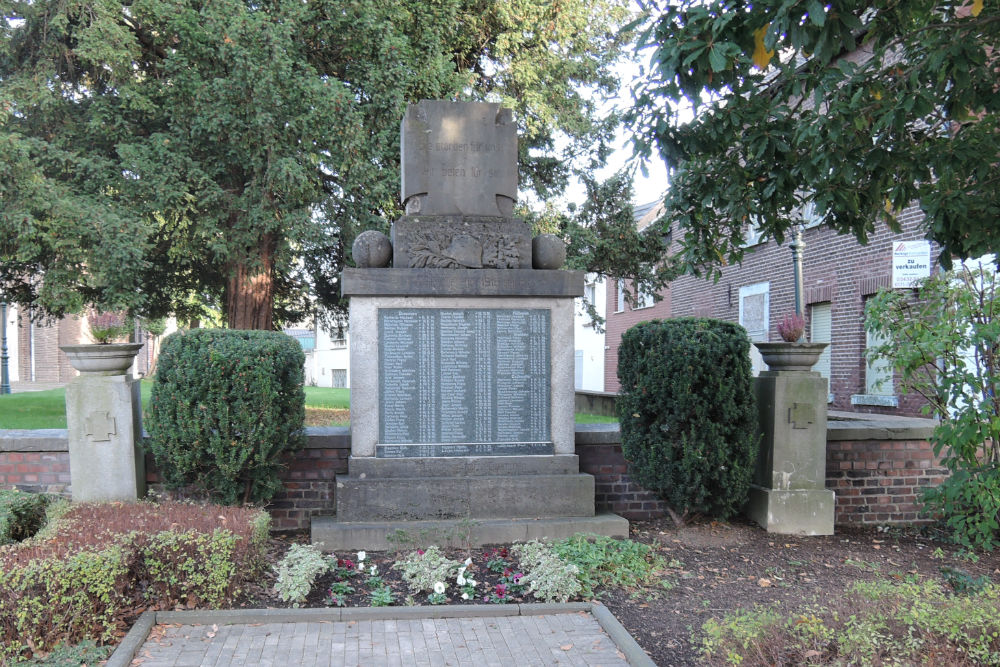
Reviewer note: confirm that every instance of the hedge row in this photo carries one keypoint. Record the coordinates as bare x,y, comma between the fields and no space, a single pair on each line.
101,565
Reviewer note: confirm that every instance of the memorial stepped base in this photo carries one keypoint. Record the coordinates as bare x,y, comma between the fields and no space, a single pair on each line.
488,487
467,501
333,535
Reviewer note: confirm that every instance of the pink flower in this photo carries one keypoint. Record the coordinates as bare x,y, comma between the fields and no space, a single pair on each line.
501,590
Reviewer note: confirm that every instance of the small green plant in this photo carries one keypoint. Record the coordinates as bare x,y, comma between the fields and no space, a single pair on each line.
421,569
438,596
337,594
298,571
86,652
22,514
604,561
382,597
374,579
962,582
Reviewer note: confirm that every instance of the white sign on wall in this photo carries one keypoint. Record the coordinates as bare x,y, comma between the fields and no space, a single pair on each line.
911,261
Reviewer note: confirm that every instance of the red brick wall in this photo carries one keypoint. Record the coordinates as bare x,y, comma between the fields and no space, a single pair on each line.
614,490
876,481
836,268
879,481
36,471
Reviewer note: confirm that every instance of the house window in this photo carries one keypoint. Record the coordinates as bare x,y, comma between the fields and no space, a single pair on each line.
753,234
644,298
878,377
878,372
590,294
810,218
820,331
755,306
339,378
620,306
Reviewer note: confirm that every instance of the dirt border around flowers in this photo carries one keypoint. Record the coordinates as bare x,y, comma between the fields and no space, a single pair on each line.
137,635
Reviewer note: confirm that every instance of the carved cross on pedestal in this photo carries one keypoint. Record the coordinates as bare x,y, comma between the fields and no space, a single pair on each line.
101,426
801,415
459,158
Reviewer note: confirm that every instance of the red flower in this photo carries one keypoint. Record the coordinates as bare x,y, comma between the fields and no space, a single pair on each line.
501,590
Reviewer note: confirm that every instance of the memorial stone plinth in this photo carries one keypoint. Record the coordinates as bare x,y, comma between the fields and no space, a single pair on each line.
462,357
104,425
789,494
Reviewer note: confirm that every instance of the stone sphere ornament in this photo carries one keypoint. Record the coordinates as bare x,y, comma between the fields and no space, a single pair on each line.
372,250
547,252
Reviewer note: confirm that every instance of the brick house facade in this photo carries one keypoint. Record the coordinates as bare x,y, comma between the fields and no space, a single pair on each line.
839,275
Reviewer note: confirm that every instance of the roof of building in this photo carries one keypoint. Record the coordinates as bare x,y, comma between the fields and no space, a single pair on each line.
647,214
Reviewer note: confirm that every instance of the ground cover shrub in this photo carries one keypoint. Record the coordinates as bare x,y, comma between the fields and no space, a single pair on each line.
424,568
549,578
944,341
688,413
89,573
605,561
226,407
298,571
910,622
21,514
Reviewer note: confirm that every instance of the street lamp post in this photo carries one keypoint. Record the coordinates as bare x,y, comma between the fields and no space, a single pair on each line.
4,372
797,246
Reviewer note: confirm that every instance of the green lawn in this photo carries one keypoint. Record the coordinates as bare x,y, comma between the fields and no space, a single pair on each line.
47,409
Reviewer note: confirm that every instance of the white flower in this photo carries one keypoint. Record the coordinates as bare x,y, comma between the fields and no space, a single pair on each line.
361,555
461,580
471,582
468,562
439,587
465,596
374,570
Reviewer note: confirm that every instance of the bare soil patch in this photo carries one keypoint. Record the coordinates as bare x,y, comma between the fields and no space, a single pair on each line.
327,416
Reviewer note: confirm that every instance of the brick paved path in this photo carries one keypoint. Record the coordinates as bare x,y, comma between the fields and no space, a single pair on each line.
551,639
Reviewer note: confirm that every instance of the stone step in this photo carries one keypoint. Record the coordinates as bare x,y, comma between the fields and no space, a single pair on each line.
474,466
482,497
334,535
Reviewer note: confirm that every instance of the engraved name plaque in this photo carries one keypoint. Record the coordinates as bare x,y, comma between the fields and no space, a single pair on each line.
463,382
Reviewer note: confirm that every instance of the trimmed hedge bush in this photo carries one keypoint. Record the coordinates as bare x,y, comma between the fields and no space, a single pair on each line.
688,413
21,514
226,407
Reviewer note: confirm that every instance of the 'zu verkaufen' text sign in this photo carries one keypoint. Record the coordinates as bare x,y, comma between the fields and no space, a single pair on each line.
471,381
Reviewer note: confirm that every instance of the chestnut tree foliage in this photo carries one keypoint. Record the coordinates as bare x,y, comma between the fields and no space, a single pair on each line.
859,108
157,155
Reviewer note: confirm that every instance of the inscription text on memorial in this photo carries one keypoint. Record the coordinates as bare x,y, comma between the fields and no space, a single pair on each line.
463,382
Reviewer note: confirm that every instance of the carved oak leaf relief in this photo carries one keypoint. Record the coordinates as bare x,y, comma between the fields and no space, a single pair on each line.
438,250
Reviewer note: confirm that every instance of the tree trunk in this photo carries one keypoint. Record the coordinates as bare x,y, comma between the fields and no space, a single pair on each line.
250,291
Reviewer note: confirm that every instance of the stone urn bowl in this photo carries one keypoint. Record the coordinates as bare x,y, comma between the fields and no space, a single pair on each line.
102,359
784,356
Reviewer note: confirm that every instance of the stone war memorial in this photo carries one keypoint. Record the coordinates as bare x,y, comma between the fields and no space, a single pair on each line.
462,428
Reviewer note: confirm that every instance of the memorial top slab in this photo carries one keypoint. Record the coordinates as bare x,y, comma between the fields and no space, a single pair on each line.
458,158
